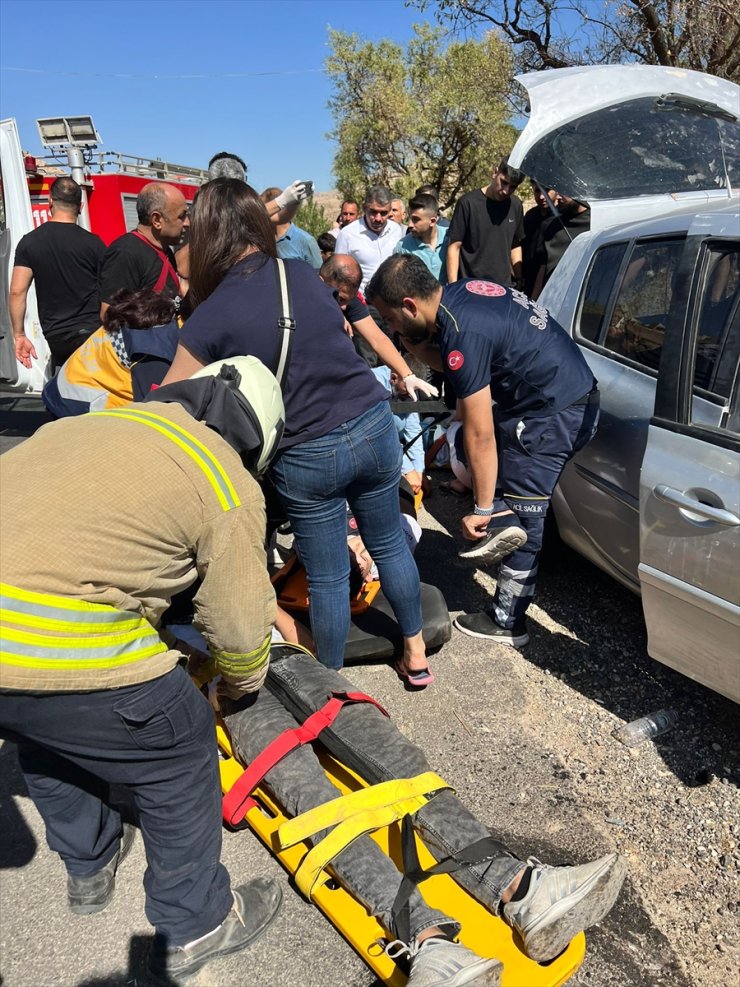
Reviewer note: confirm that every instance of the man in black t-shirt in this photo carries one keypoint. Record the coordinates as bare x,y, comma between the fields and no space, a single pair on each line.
62,260
555,236
533,221
143,258
343,274
486,231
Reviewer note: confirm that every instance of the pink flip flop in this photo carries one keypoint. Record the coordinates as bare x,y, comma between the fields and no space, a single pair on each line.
419,678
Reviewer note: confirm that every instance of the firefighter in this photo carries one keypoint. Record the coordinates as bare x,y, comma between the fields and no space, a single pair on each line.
129,506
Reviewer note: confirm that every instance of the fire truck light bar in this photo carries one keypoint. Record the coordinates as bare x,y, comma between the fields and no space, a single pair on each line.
58,131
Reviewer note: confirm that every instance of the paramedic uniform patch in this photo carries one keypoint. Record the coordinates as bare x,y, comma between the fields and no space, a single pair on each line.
485,288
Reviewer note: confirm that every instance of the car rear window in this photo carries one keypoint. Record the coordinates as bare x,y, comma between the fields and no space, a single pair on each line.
644,146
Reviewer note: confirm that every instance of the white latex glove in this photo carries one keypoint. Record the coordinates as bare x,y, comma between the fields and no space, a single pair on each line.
294,193
414,384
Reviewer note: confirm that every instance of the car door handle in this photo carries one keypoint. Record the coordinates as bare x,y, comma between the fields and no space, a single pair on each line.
678,499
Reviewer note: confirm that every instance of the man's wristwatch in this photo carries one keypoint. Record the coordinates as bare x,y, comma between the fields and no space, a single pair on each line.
483,511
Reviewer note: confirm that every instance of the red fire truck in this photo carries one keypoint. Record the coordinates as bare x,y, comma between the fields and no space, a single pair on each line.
110,183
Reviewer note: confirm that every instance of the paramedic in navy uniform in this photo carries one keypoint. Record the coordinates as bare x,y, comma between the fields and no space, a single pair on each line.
495,343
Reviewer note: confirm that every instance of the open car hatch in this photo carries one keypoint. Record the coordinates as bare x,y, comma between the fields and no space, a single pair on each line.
631,140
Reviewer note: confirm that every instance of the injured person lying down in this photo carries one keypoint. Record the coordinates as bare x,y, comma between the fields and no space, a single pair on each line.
547,906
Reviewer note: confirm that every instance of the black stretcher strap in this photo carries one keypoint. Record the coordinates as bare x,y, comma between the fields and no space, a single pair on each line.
414,873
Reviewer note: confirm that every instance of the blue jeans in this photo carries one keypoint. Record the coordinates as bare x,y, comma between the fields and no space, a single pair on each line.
157,739
369,743
359,462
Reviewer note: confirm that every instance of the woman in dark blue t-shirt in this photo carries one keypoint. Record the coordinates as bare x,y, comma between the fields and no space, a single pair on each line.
340,442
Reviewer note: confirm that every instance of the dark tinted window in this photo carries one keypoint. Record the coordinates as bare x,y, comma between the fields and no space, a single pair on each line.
733,418
638,320
717,339
599,285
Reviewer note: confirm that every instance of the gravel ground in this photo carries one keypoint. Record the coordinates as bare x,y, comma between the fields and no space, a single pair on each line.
526,739
671,805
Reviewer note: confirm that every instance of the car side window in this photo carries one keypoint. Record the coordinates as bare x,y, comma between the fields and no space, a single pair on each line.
716,341
733,418
637,324
599,289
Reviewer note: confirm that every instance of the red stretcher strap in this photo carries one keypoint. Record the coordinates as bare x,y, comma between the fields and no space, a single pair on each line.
167,271
238,801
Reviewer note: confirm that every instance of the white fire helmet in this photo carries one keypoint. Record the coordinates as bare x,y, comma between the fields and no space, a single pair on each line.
258,392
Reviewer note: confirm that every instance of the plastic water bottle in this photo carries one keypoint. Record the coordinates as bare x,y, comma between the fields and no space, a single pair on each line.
647,727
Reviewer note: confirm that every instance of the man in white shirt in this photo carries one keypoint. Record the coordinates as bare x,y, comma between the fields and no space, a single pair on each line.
398,212
371,238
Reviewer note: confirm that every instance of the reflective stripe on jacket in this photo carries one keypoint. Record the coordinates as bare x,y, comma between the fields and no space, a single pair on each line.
136,532
201,456
91,379
37,629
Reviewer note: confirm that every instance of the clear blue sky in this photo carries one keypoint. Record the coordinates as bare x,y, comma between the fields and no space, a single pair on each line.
72,53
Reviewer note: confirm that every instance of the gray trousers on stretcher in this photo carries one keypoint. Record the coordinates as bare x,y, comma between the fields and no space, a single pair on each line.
369,743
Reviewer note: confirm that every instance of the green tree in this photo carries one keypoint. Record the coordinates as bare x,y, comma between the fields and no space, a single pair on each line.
432,113
703,35
312,218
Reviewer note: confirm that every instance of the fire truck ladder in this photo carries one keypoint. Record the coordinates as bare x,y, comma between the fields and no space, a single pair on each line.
113,162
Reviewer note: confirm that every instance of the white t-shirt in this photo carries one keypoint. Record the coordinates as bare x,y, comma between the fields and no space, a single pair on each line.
369,249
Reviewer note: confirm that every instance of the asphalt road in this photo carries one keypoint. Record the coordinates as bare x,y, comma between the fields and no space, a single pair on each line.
525,738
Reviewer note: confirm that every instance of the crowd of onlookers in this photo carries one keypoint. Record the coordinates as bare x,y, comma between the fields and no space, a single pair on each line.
489,236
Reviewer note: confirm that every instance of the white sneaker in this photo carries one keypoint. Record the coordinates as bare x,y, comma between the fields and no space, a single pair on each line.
563,901
497,544
440,963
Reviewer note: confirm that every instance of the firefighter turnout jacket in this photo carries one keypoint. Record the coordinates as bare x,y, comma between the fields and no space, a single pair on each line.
103,519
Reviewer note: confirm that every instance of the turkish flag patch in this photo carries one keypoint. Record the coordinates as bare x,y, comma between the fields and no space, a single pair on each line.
455,360
486,288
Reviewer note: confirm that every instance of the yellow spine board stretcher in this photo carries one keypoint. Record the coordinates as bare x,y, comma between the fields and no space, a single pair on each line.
482,931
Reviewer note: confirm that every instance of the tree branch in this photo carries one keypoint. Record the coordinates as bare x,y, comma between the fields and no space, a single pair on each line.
646,10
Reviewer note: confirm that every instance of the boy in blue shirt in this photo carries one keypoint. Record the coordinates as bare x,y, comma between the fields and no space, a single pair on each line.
427,239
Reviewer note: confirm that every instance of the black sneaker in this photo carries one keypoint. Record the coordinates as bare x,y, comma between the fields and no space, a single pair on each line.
91,894
498,543
481,625
256,905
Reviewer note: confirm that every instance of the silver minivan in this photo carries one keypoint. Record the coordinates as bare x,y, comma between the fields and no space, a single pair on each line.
654,499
